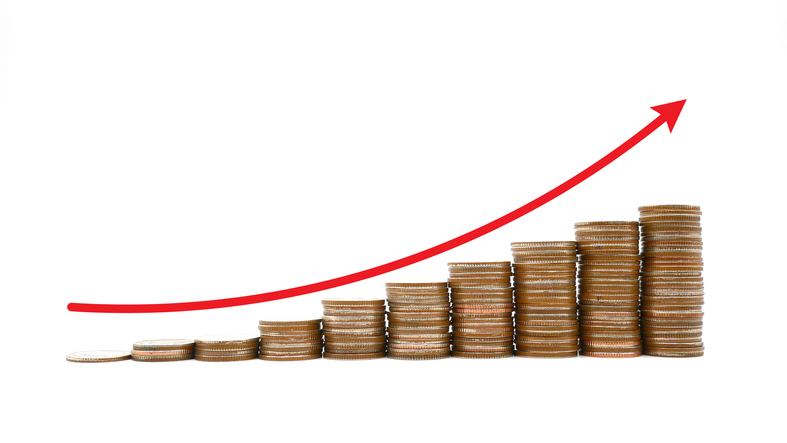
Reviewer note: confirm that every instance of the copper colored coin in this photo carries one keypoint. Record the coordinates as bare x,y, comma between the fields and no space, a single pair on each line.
364,356
162,358
225,353
163,344
406,356
461,354
345,302
227,340
290,357
611,354
168,352
291,321
500,335
545,354
294,348
409,286
671,353
225,357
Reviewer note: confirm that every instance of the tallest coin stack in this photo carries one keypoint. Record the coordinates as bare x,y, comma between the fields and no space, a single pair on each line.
671,280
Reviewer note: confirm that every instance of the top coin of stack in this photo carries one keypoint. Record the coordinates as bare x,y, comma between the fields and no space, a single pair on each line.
163,350
354,328
481,307
418,321
226,347
609,288
545,299
289,339
671,281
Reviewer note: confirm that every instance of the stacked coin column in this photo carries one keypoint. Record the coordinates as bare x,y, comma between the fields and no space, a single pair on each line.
481,307
163,350
671,281
290,339
418,321
354,328
226,347
545,299
609,289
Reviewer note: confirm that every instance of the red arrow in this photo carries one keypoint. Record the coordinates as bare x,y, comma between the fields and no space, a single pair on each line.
667,113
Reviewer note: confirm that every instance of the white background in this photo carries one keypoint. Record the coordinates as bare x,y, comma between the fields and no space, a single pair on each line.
170,151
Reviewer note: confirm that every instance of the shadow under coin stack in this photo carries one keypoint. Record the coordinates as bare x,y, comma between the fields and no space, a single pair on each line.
418,321
545,297
227,347
481,307
671,281
163,350
354,328
609,289
290,339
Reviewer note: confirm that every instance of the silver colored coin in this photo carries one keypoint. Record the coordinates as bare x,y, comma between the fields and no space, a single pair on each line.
98,356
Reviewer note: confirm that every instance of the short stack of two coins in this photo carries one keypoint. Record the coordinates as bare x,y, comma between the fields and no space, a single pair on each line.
354,328
545,299
227,347
481,308
418,321
163,350
609,288
290,339
671,281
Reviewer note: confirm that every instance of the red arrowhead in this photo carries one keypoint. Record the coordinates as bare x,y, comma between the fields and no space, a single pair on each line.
670,112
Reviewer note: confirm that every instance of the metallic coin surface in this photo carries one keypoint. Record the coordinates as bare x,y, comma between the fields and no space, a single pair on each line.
98,356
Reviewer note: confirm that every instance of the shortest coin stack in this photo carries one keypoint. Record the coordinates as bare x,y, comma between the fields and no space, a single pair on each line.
418,321
98,356
227,347
354,328
163,350
290,339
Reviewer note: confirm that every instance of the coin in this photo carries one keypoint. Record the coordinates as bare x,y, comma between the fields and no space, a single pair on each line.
98,356
359,356
162,358
163,344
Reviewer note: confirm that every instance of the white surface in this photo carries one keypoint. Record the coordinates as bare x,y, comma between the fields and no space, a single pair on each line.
171,151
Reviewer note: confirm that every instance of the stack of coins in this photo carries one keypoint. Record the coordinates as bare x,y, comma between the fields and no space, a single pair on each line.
163,350
418,321
671,281
609,289
354,328
290,339
481,307
227,347
545,299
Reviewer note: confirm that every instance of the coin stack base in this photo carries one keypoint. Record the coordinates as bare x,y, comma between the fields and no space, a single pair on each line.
354,328
163,350
290,339
226,347
481,307
418,321
545,299
609,289
671,281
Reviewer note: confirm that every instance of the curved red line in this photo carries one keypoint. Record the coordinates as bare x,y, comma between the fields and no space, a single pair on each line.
388,267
